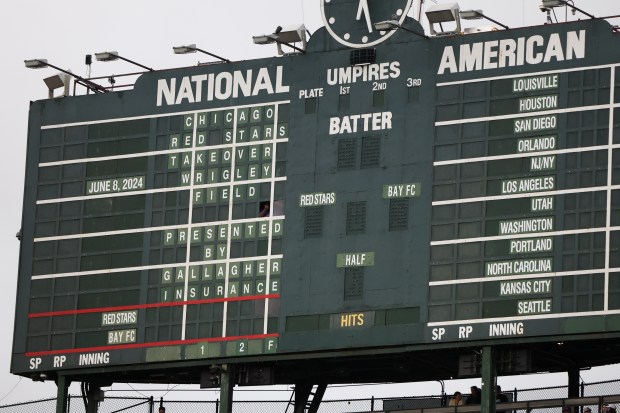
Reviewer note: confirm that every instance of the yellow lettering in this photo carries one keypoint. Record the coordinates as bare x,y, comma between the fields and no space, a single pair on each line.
360,319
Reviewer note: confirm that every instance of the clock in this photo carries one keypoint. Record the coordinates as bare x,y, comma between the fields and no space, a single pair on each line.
351,22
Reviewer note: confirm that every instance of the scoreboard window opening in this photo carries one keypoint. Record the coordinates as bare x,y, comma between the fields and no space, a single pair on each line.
118,129
313,221
354,283
398,219
101,169
116,147
353,154
378,98
347,154
614,284
413,94
356,218
344,102
371,152
310,106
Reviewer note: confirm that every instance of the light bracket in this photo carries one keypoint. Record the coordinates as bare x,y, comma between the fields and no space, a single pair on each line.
191,48
394,25
477,14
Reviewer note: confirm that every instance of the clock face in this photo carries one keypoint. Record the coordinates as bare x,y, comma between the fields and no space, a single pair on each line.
351,22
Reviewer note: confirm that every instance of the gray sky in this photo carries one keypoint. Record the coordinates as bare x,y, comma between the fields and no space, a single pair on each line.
145,30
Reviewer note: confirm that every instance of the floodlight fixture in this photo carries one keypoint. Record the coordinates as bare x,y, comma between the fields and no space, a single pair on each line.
36,63
387,25
193,49
444,13
264,39
184,49
547,5
471,14
393,25
110,56
285,36
477,14
106,56
52,81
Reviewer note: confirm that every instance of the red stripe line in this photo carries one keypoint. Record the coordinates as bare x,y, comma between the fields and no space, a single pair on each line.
153,305
154,344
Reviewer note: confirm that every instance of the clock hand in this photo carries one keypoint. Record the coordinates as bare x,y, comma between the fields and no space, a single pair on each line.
363,7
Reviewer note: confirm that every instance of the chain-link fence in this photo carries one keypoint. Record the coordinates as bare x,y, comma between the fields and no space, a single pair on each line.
150,405
75,404
45,405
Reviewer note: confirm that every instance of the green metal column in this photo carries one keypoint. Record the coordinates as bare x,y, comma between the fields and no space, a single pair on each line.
302,394
488,380
92,397
61,394
573,381
227,383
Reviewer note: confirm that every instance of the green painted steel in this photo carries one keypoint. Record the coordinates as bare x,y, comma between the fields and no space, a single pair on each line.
453,190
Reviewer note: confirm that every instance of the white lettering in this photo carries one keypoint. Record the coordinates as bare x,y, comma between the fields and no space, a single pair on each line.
360,123
525,287
323,198
366,73
523,226
91,359
534,307
506,329
220,86
536,144
521,246
519,267
509,53
542,204
519,186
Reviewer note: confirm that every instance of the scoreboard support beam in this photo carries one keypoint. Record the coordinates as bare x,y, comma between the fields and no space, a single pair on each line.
488,380
573,381
61,393
303,391
93,396
317,397
227,383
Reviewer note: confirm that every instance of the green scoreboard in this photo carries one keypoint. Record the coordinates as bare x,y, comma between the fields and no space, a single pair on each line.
388,194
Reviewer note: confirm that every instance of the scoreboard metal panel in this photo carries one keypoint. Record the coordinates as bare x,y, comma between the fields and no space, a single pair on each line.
455,191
